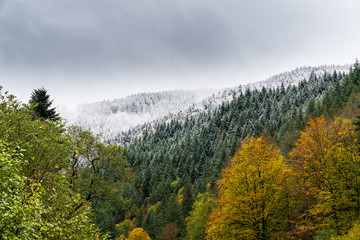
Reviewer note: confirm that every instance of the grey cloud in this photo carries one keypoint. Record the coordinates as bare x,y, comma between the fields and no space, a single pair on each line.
127,38
83,35
162,44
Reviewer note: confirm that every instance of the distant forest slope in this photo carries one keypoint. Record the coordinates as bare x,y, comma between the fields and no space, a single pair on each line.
126,118
198,146
112,117
180,159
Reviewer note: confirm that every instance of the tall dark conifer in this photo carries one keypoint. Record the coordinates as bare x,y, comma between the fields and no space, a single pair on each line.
40,99
188,198
311,107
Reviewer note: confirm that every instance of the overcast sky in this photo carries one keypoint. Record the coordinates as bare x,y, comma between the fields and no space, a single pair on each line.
89,50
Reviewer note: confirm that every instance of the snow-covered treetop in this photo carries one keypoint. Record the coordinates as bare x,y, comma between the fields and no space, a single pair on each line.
130,115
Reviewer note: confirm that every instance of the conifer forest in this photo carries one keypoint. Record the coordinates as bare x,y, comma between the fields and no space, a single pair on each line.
271,162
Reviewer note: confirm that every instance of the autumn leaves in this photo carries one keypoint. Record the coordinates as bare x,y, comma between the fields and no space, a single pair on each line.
262,195
250,190
327,159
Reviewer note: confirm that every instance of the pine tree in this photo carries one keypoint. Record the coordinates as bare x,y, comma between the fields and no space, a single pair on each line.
40,99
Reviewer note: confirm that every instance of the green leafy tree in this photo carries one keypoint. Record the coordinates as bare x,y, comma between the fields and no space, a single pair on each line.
20,205
25,212
40,177
353,234
99,172
196,221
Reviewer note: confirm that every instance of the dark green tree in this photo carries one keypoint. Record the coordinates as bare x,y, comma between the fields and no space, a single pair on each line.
146,183
311,107
152,222
40,100
188,198
172,212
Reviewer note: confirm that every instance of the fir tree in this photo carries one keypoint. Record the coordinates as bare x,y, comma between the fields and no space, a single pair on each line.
311,107
188,198
40,99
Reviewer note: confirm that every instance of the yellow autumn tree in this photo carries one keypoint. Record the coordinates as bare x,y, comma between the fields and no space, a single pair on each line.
326,159
249,204
138,234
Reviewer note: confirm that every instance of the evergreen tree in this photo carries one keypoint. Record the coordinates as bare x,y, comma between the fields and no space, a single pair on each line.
152,223
357,123
172,212
146,182
40,99
311,107
188,198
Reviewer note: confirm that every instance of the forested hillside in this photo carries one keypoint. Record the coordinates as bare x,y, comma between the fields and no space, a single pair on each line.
112,117
276,162
181,160
211,103
126,118
199,147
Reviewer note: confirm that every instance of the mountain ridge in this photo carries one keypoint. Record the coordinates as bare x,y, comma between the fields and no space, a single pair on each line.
124,119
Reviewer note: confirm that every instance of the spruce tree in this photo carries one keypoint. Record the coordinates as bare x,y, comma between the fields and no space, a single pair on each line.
40,99
172,212
188,198
311,107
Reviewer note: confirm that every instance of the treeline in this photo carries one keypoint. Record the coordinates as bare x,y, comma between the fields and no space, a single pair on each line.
181,160
56,182
199,147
